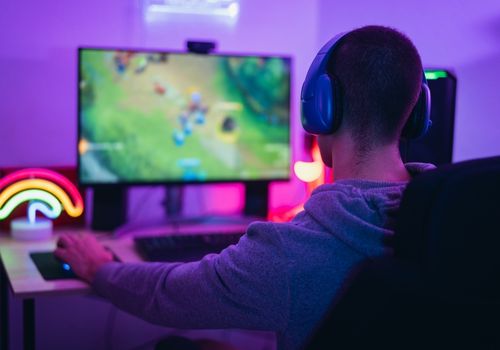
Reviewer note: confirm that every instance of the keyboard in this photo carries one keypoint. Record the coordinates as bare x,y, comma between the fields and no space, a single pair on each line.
183,248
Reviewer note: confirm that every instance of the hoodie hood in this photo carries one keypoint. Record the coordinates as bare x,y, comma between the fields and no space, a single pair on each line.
360,213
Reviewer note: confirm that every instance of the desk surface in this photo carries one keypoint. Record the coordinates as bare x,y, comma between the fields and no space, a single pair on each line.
26,281
24,277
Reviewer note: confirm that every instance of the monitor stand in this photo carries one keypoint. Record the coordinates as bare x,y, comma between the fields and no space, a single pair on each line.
174,200
109,208
255,209
256,199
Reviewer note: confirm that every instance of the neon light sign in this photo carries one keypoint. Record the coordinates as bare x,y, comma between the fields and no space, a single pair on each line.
45,191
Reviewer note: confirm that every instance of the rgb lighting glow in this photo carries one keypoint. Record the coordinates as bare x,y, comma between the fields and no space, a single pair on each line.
46,191
435,74
310,171
313,174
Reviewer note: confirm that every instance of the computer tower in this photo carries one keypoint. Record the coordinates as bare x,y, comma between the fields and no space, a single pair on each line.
437,146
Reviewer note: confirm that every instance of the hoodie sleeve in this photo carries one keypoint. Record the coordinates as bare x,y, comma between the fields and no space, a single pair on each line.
245,286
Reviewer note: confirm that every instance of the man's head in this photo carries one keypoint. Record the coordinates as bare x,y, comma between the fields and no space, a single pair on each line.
379,74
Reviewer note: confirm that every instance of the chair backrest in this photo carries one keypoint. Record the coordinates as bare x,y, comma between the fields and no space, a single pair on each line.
441,289
449,224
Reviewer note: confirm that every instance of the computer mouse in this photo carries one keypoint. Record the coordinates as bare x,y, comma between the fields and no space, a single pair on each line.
63,263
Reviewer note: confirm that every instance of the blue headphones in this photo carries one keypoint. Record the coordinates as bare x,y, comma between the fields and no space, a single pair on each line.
322,109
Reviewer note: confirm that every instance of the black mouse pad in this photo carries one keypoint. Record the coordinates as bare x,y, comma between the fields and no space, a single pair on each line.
50,267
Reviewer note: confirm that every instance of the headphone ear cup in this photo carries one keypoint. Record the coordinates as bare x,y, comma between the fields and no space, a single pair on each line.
324,104
327,106
419,121
319,103
317,109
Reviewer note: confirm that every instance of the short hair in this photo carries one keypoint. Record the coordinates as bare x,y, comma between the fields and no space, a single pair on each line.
380,74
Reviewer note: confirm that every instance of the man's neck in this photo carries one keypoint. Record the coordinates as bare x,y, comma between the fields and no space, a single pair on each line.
379,164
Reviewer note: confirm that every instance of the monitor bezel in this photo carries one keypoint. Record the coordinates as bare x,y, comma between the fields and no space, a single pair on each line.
88,184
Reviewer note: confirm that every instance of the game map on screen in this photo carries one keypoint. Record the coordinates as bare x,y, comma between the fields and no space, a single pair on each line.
164,117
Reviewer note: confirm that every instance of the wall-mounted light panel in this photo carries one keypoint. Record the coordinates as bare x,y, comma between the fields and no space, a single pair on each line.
227,8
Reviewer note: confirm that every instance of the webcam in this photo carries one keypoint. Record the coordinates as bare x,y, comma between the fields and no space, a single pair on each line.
201,47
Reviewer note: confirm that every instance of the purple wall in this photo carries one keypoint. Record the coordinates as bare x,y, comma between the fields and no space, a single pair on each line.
38,114
460,35
38,70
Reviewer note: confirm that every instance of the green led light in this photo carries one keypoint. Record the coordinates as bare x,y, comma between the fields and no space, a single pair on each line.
435,74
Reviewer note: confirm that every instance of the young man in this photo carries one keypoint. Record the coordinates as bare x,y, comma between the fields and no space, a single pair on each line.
282,277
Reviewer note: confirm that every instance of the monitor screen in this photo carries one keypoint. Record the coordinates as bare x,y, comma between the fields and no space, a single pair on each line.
156,117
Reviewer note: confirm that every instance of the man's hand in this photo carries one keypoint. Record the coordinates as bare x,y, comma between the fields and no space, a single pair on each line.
83,253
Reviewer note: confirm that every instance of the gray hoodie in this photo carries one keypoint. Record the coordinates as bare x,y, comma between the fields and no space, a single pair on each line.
279,277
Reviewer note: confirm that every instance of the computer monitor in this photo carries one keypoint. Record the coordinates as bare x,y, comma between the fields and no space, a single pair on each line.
153,117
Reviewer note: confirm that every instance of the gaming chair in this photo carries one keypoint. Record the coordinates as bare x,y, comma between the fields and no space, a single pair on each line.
441,289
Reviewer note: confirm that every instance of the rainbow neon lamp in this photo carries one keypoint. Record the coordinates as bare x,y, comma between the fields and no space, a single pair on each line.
47,192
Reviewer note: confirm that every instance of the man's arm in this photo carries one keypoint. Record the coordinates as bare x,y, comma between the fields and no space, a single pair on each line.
245,286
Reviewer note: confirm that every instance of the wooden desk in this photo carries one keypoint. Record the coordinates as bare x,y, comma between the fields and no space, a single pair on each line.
26,283
19,271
